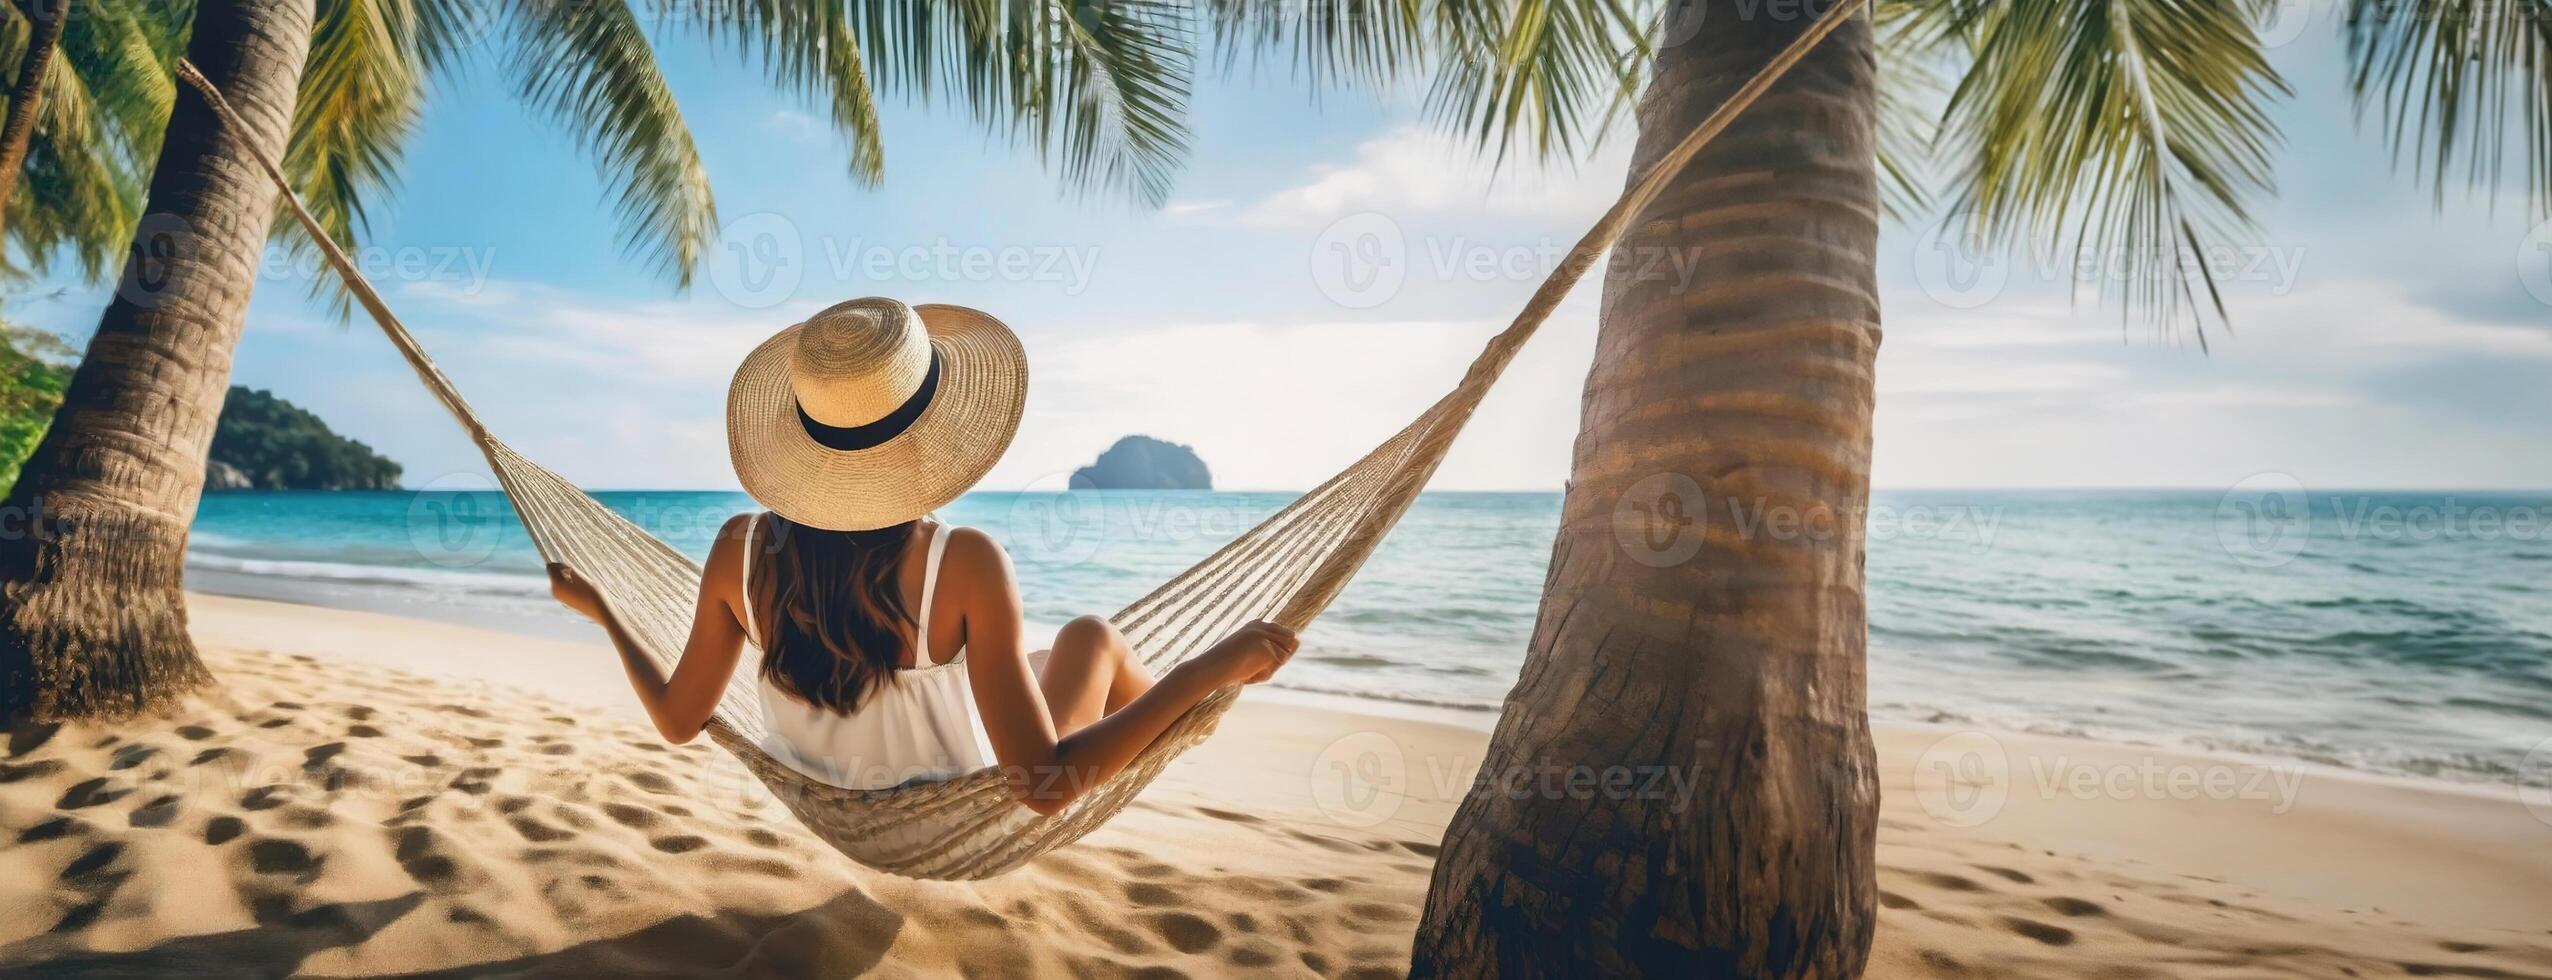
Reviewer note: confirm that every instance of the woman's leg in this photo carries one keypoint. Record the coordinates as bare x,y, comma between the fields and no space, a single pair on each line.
1089,673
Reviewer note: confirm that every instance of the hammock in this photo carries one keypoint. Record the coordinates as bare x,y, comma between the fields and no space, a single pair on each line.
1285,570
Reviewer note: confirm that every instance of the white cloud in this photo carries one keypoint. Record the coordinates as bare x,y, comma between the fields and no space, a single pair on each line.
797,126
1413,169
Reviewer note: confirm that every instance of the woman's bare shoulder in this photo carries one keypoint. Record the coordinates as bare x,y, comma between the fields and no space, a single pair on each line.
975,556
726,550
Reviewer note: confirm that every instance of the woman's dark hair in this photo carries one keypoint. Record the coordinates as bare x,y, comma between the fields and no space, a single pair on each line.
834,622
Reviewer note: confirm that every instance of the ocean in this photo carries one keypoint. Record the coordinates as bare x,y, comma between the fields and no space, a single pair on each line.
2405,633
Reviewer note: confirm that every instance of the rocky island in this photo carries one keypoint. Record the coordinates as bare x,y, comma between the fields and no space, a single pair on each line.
266,443
1144,463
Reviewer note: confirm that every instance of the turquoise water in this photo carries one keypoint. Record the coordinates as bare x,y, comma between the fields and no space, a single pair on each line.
2407,633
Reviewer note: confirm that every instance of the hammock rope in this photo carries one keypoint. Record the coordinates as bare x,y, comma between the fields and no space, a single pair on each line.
1285,570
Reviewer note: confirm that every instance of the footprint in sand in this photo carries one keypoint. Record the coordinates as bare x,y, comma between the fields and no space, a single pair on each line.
91,793
1948,882
1256,955
538,832
1144,893
679,843
93,871
1892,900
13,772
282,856
633,817
132,755
2074,907
156,813
2040,931
1186,933
2016,876
476,781
54,829
223,829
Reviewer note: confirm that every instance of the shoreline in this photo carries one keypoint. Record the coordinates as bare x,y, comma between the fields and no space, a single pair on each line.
368,597
368,793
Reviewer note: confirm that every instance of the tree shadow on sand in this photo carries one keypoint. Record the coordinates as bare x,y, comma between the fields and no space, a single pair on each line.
274,948
844,936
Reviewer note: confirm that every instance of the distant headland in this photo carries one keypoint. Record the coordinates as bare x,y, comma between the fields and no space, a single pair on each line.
266,443
1144,463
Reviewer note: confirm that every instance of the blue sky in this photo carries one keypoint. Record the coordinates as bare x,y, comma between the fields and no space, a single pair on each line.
2378,342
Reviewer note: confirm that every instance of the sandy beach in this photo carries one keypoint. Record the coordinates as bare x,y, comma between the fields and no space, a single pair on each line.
370,794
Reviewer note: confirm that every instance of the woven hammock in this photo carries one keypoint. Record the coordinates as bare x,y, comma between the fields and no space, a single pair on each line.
1285,570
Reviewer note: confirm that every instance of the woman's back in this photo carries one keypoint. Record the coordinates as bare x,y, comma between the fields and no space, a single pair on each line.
917,723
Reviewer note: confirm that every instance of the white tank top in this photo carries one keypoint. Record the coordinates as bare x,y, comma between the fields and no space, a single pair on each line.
921,727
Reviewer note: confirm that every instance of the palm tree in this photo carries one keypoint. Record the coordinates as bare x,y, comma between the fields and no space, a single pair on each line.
1672,639
92,617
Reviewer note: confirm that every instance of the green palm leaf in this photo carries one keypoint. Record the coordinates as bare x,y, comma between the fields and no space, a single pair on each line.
2132,129
588,66
812,51
2459,80
107,97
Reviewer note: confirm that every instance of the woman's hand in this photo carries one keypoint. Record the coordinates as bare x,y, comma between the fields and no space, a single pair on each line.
1252,653
571,590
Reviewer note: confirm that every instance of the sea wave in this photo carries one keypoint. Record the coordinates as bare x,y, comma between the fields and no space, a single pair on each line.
434,579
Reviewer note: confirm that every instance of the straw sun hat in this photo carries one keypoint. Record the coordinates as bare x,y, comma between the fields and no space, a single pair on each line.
873,413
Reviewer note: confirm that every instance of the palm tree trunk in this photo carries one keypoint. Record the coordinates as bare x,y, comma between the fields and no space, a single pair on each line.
28,96
1682,783
93,538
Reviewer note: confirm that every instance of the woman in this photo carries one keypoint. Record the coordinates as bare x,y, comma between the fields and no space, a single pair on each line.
891,647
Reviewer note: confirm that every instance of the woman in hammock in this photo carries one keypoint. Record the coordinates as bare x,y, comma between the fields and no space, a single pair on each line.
891,646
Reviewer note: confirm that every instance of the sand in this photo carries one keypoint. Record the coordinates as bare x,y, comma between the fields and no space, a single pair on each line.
368,794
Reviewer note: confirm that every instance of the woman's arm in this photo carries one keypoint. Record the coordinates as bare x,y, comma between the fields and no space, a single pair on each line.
1046,772
679,705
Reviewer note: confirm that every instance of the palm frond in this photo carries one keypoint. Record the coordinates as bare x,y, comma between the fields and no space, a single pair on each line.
1369,43
1098,87
811,51
1910,90
107,96
2464,82
361,90
1537,71
588,66
2134,129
